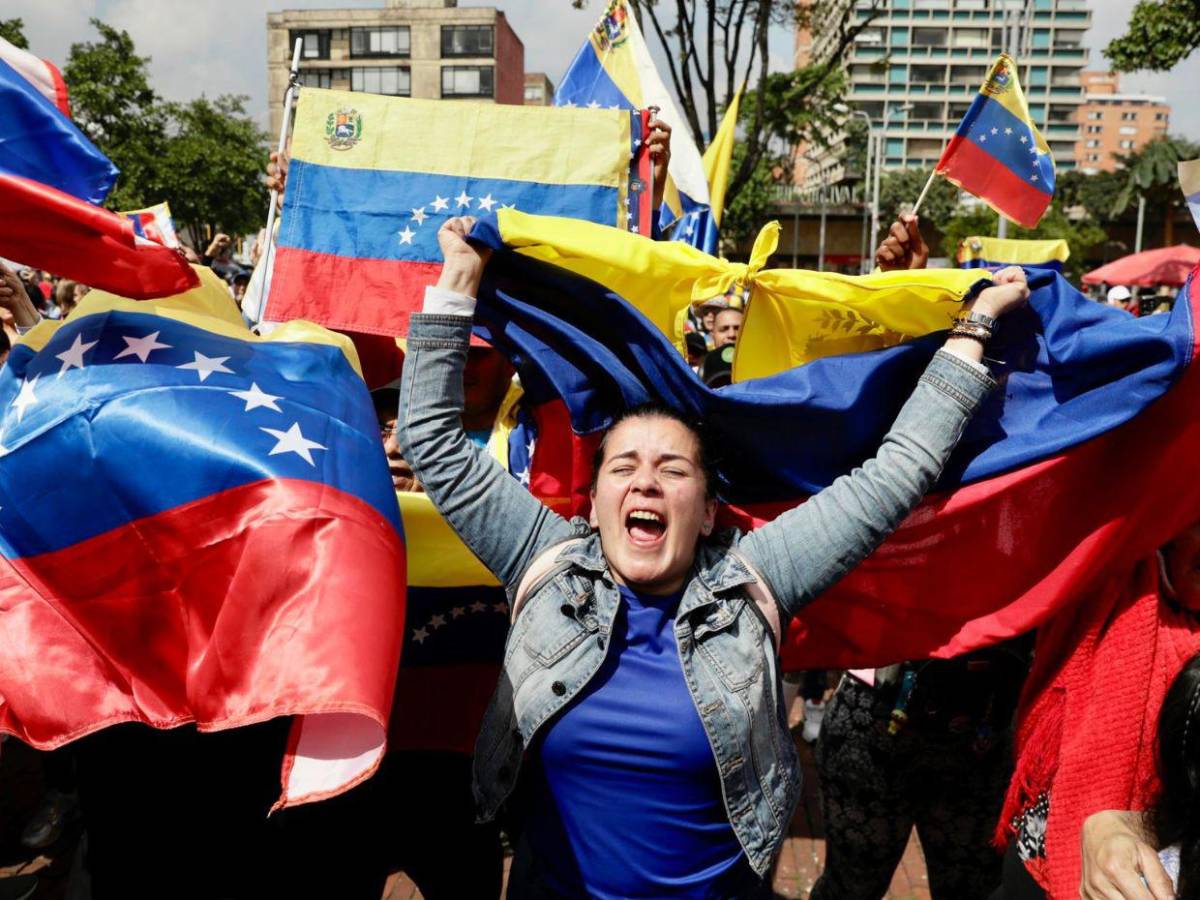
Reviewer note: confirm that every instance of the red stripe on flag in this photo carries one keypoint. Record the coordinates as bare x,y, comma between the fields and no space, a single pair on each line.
976,171
276,598
45,228
314,286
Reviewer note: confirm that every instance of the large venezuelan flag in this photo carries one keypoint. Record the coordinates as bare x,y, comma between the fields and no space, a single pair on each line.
998,154
1037,504
197,525
373,178
613,70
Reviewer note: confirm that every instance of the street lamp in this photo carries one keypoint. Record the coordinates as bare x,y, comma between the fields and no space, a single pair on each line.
866,179
880,137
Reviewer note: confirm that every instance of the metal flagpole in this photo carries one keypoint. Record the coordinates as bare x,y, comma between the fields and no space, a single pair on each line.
289,100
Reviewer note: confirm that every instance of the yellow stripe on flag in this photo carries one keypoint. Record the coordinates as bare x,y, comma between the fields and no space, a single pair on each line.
719,156
1011,97
436,556
524,143
1013,251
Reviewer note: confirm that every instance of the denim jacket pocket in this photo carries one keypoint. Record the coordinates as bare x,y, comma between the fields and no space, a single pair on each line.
731,641
555,627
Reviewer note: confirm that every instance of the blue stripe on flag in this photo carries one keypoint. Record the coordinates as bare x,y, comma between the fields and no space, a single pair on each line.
587,83
375,214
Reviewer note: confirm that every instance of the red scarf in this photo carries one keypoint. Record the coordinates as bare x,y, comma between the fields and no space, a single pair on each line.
1089,712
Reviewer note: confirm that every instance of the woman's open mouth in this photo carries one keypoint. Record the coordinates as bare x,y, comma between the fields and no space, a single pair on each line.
645,527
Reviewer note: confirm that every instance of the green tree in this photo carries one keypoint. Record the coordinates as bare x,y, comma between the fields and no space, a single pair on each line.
1152,172
1081,235
1161,33
13,31
1095,193
746,212
112,101
215,156
899,190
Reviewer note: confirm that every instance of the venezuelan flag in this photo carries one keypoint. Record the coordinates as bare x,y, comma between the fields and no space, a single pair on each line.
1027,514
197,525
998,154
981,252
613,70
372,179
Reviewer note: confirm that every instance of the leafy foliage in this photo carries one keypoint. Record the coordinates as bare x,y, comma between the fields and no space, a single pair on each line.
205,157
1161,33
13,31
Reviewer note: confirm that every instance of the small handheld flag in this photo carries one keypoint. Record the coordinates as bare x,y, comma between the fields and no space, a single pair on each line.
997,153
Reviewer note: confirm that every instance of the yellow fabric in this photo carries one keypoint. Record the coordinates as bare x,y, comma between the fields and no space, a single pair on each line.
793,316
574,146
208,306
436,556
719,156
1013,251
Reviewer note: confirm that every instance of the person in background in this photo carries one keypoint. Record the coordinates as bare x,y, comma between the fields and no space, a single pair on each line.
17,303
727,325
65,297
1120,297
696,348
237,286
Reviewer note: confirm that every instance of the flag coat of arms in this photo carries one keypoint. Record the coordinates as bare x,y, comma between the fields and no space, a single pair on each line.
998,154
197,525
372,178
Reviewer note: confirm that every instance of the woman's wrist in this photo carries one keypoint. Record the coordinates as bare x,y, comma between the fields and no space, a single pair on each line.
964,348
460,279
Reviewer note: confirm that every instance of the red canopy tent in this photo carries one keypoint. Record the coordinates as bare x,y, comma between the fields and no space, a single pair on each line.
1168,265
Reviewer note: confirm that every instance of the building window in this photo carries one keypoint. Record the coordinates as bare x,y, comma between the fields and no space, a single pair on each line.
1160,117
929,37
1093,143
1093,157
1128,117
1126,145
1128,129
316,43
393,41
928,74
535,94
391,80
1094,129
1095,115
321,78
466,40
467,81
970,37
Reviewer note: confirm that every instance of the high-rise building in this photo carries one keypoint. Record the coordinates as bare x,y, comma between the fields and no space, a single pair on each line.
539,89
918,65
407,48
1113,123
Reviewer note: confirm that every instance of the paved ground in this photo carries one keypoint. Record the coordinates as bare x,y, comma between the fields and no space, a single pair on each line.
798,867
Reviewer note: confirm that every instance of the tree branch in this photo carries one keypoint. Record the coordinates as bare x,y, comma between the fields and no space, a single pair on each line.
678,79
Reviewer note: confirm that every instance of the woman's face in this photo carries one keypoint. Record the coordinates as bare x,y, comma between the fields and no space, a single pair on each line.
650,503
1182,558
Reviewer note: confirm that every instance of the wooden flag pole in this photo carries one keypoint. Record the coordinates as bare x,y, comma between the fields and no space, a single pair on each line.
289,100
924,191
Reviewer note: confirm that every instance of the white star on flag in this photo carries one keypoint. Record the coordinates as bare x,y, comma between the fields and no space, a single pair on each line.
1008,131
72,357
995,131
407,235
26,397
1024,139
457,611
500,607
1033,150
419,215
478,606
508,206
419,635
463,200
569,105
593,105
486,203
141,347
437,621
691,227
292,441
524,477
440,203
256,397
1034,177
206,365
982,138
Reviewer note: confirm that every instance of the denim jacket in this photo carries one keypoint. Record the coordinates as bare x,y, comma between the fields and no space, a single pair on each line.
743,589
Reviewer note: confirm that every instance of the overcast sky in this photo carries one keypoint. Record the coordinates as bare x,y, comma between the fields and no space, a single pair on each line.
219,46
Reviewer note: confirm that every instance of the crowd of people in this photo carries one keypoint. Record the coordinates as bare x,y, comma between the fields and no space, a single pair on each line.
639,740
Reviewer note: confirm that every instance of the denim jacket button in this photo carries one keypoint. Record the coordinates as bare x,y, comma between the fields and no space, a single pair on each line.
559,688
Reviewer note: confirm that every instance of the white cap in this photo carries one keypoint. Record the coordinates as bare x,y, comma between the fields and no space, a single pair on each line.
1119,293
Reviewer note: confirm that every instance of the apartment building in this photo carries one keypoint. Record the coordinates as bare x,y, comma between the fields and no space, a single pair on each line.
407,48
917,66
539,89
1112,124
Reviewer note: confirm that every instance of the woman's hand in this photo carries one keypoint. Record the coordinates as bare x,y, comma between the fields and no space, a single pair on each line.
1118,863
659,146
463,263
904,247
1009,291
14,299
